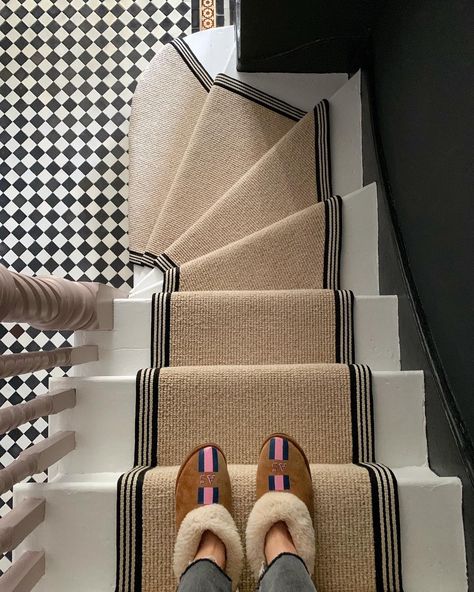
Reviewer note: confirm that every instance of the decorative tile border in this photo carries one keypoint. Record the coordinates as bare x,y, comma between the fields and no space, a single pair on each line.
207,14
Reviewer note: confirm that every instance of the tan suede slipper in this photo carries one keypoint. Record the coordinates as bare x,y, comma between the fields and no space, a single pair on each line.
204,502
284,494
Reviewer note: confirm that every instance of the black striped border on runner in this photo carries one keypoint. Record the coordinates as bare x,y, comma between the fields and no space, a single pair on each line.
258,96
193,63
386,528
344,338
146,414
129,530
322,150
163,262
160,329
135,257
171,280
362,414
332,242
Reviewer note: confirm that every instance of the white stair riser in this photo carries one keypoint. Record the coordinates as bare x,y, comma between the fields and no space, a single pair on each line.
359,249
125,349
107,442
80,528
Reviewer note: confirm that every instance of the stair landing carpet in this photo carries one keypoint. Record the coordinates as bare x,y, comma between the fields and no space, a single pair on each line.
252,327
168,100
356,527
326,406
300,251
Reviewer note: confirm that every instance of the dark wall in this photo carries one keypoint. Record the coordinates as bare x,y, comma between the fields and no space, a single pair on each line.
423,83
331,36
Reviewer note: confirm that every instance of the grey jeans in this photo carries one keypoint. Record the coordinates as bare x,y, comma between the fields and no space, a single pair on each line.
286,573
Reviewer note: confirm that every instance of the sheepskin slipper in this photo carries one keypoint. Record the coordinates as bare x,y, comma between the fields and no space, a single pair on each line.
218,520
273,507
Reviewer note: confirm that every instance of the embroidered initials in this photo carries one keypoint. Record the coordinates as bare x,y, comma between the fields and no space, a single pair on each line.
278,467
206,479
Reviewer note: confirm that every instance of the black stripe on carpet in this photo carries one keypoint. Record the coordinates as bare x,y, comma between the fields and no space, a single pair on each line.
258,96
193,63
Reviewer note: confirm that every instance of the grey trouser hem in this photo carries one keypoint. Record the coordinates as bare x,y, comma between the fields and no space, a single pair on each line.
286,573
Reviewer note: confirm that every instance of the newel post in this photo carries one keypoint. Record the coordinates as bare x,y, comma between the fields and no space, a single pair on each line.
51,303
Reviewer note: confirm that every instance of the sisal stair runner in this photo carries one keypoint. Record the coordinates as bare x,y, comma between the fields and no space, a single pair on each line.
300,251
290,177
232,133
161,125
264,327
356,526
260,400
230,196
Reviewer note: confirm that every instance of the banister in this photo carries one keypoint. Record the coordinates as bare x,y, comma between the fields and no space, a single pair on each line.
48,404
25,573
55,303
20,522
15,364
37,459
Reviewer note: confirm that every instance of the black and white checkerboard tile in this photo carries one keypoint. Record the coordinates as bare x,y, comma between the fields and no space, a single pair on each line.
69,72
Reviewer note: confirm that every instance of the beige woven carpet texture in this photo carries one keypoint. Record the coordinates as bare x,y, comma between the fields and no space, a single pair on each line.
247,327
343,500
231,129
161,125
326,406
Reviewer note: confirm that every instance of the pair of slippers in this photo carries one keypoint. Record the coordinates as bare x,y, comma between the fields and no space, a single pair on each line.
284,493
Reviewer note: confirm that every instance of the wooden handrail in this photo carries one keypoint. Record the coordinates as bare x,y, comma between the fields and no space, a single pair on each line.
48,404
37,459
25,573
20,522
15,364
55,303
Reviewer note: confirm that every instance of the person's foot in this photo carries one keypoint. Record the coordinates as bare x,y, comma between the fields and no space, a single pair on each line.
277,541
211,547
282,519
206,529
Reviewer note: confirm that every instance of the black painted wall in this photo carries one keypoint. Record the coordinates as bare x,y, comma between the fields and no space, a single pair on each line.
423,74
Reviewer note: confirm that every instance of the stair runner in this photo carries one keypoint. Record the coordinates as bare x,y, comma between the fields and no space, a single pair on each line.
251,334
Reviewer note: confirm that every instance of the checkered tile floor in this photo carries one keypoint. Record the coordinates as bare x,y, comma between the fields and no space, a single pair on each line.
69,72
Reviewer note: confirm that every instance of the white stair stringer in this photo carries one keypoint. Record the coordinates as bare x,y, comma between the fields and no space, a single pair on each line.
80,527
126,348
107,442
359,248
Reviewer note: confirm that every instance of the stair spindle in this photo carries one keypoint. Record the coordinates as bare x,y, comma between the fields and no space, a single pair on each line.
20,522
25,573
37,459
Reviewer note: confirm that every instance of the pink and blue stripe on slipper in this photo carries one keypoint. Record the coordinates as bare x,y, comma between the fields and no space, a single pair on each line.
208,495
278,449
278,482
208,460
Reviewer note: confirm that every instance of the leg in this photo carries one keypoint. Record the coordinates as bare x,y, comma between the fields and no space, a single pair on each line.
204,576
286,573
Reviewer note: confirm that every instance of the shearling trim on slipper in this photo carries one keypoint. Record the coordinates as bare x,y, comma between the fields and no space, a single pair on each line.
218,520
276,506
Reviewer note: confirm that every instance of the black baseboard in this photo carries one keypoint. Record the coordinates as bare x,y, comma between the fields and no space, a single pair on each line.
450,450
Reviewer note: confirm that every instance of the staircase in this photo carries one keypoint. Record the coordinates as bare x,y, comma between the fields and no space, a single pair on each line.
79,532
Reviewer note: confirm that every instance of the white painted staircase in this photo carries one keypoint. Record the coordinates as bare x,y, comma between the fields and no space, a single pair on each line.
78,534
